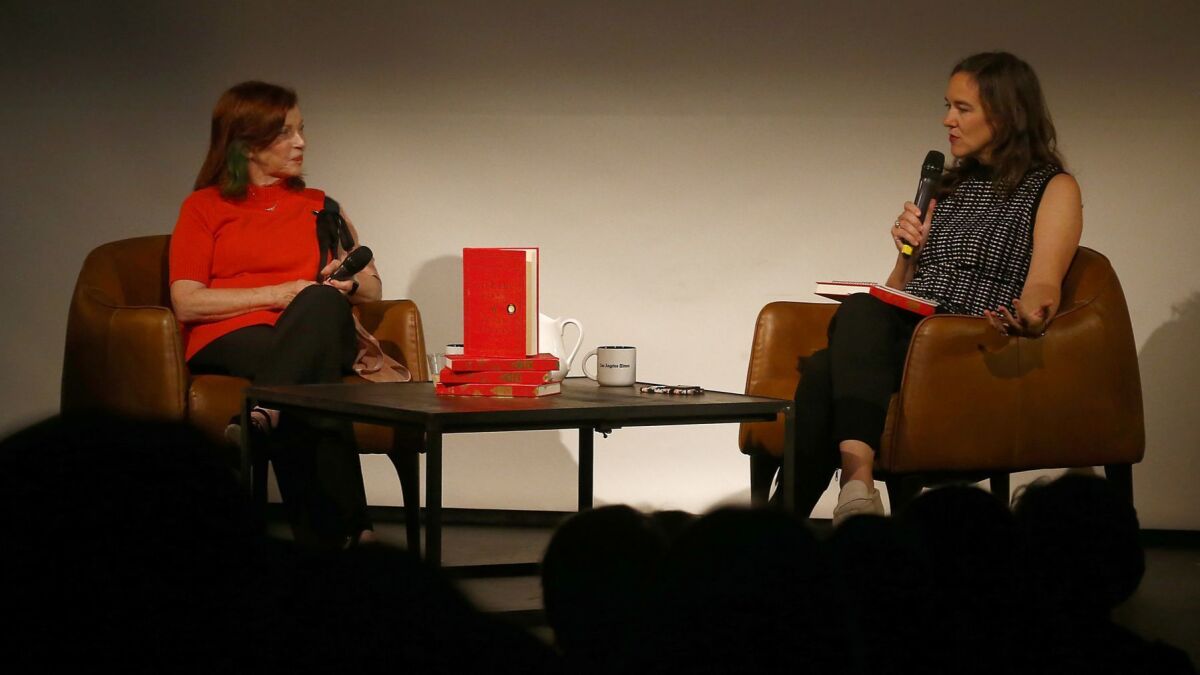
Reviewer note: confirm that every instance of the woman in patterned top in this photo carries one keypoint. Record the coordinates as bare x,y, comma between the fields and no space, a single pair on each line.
997,243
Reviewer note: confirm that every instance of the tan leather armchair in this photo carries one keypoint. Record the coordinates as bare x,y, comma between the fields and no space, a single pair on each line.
124,355
974,404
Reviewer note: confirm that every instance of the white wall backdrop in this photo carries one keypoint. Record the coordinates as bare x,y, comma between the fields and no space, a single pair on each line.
750,148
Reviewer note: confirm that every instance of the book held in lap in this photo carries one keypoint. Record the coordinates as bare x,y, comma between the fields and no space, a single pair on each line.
840,290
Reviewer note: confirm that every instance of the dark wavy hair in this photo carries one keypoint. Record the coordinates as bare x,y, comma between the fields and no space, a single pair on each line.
1023,134
247,117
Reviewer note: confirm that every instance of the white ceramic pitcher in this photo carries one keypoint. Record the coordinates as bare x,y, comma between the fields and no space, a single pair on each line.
550,340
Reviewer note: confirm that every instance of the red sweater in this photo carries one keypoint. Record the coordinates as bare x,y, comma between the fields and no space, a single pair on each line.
268,238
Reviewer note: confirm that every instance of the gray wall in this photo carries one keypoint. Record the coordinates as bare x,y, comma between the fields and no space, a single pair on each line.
748,147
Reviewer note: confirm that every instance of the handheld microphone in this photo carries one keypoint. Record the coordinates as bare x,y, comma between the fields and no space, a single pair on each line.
931,175
353,264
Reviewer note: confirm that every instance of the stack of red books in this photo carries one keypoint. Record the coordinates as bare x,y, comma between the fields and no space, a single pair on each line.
500,329
524,377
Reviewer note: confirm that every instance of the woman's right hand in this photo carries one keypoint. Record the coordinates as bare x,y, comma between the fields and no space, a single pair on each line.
284,293
908,227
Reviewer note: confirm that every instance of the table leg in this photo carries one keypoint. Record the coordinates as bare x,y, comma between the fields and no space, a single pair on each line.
247,478
789,459
586,439
433,496
405,456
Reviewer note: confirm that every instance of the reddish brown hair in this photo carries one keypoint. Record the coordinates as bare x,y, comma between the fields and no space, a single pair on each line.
247,117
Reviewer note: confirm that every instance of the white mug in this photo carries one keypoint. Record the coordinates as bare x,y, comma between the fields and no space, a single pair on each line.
616,366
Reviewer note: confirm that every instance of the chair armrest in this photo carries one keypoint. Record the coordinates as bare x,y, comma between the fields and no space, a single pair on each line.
972,399
959,398
1081,394
397,326
784,333
123,359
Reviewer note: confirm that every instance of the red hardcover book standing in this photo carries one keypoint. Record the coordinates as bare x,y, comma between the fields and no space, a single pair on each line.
500,302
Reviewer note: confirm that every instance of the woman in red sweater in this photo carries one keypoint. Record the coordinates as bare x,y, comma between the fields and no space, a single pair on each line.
249,265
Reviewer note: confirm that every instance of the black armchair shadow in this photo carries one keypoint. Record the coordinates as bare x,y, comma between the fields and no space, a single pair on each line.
1164,482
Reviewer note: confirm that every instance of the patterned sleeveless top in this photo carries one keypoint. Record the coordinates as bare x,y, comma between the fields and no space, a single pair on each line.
980,243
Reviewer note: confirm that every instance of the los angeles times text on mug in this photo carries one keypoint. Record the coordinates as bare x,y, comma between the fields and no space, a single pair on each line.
616,365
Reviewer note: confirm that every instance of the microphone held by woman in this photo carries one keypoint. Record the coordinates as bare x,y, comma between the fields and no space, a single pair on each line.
353,264
931,175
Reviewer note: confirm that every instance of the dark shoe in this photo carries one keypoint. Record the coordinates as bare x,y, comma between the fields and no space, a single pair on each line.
260,425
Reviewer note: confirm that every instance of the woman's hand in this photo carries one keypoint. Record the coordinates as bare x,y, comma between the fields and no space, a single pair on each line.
364,286
1028,321
344,286
283,294
909,229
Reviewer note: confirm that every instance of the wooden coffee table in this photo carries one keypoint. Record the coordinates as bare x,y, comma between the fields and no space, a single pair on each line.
582,405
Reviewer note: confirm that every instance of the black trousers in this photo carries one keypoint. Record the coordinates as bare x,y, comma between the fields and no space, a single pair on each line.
316,459
845,389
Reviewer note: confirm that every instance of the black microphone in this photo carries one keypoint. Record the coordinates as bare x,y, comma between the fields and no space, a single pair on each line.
931,175
353,264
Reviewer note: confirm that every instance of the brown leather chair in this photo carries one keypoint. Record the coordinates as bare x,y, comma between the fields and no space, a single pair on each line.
974,404
124,355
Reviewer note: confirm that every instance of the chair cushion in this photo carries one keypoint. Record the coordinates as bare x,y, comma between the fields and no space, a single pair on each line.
212,400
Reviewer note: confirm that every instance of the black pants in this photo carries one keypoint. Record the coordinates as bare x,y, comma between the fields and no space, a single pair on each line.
845,389
316,460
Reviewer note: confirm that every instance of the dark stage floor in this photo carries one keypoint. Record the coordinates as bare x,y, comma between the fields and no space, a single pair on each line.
1166,605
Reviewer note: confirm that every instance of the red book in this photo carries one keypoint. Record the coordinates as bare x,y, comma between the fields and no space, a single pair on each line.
467,364
498,390
448,376
500,302
838,290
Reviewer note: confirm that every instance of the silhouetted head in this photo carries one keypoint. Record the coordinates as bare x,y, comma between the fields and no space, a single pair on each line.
131,537
738,589
969,541
968,536
883,574
1081,544
596,574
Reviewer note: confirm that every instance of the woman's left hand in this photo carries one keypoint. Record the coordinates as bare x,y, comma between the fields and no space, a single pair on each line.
1026,322
344,286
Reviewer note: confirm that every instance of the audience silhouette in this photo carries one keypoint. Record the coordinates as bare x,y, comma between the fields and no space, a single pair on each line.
972,609
744,590
597,574
1082,557
131,545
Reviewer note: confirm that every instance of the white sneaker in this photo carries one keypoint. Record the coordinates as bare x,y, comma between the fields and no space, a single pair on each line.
857,498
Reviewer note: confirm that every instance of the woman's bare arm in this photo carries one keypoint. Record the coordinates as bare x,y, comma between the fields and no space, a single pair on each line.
194,302
1056,231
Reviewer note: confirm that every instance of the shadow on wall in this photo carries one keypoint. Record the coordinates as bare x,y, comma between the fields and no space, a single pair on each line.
437,290
516,470
1171,390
